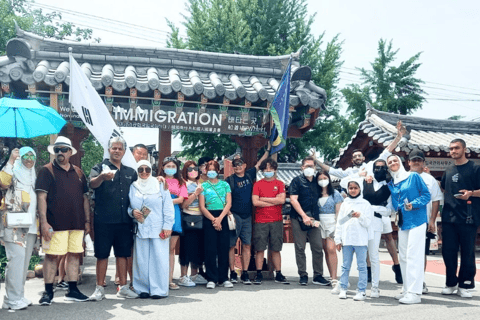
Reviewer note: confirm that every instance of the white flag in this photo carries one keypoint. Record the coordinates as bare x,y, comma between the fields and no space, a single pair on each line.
93,112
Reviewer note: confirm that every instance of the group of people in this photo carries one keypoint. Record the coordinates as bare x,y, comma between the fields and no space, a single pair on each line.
145,219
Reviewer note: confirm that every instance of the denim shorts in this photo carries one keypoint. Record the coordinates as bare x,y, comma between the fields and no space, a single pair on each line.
244,231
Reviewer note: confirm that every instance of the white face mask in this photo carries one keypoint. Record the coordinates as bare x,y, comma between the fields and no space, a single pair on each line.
309,172
323,183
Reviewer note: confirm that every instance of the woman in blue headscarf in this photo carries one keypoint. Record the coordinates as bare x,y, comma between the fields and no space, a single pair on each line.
19,174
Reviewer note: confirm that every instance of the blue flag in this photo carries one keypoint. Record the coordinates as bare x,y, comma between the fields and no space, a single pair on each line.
280,113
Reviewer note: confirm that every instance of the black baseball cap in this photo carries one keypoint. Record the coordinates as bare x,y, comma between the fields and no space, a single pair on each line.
416,154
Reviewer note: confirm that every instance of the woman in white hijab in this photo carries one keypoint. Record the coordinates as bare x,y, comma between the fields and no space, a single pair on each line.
410,197
352,233
152,208
19,173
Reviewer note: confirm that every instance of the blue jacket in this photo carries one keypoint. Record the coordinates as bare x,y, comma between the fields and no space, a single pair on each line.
416,192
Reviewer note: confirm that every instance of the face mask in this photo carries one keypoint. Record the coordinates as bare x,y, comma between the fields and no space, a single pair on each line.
323,183
268,174
193,174
380,173
309,172
212,174
170,171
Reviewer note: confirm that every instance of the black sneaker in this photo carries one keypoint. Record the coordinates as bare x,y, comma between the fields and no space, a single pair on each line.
398,273
62,286
320,280
233,277
258,279
144,295
245,278
75,295
280,278
46,299
303,280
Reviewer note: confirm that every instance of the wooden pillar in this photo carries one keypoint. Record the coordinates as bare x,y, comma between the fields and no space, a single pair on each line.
250,147
164,145
76,135
54,104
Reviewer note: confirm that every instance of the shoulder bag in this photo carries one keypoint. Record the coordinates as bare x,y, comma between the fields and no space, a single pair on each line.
16,215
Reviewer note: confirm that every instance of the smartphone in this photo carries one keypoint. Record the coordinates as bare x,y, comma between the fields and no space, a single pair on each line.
456,195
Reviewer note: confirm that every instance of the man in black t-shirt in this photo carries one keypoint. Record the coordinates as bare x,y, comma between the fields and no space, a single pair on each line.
460,220
241,184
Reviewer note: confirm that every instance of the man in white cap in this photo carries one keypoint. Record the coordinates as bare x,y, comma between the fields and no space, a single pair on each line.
64,212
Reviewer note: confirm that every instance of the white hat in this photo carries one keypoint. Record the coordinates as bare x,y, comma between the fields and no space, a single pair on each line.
62,142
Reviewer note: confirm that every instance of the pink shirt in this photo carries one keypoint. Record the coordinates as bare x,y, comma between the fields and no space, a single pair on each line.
175,188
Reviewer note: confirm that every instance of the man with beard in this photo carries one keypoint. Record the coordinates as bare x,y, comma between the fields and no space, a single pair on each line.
460,220
362,168
416,162
111,182
64,211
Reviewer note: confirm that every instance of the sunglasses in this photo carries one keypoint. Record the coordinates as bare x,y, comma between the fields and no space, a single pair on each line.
63,150
190,169
29,157
147,170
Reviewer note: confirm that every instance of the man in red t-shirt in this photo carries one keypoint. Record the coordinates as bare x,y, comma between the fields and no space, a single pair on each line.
268,198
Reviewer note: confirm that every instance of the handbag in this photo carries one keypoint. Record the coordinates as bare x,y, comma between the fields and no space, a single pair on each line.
232,225
192,222
16,215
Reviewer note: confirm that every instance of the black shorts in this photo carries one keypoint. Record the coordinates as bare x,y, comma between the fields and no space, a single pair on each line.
118,236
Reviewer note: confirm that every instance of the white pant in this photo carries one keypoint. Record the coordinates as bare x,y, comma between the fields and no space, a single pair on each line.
411,249
373,246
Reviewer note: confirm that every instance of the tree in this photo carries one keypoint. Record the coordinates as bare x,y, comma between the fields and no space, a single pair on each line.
36,21
258,27
93,153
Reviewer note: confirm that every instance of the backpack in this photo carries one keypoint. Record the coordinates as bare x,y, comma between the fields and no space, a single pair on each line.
79,171
231,180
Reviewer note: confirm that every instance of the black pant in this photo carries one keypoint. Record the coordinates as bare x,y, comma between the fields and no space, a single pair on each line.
455,235
217,245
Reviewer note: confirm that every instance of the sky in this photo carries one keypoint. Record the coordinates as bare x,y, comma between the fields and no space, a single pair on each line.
445,31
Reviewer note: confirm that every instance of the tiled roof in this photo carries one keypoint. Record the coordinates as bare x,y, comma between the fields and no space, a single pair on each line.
32,59
425,134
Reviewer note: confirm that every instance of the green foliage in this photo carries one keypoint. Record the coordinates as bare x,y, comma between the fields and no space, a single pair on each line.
93,153
35,20
456,117
34,260
259,27
3,262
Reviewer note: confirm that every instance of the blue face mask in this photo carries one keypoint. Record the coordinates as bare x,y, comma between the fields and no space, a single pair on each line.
268,174
170,171
212,174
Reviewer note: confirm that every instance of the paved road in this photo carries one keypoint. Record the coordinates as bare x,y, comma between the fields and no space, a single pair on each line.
268,301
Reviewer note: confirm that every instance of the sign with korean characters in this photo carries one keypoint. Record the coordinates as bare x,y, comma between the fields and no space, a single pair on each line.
246,122
440,164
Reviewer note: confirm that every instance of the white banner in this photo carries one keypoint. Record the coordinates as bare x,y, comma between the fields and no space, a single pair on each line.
93,112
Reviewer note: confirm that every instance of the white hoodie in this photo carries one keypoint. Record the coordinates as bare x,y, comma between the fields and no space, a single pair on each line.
354,232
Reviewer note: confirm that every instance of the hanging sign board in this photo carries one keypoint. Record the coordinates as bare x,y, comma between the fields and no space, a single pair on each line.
440,164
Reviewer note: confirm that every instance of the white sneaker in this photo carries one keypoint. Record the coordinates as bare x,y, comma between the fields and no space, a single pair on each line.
198,279
15,305
424,289
411,298
464,293
374,292
360,296
401,295
126,292
211,285
449,290
342,294
226,284
336,287
28,302
98,295
185,281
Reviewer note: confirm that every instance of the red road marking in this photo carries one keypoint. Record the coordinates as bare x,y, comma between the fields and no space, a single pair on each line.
438,267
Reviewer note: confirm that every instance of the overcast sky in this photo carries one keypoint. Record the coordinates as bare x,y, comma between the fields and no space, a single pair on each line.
445,31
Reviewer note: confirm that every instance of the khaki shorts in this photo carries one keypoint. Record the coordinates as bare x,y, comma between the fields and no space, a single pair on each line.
63,242
269,233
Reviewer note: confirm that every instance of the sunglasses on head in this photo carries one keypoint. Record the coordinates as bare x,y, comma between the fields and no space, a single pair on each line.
190,169
147,170
238,164
28,157
63,149
168,159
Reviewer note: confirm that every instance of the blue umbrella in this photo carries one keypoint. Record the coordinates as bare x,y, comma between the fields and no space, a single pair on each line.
28,119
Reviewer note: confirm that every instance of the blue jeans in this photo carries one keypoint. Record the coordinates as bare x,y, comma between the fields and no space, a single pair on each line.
361,253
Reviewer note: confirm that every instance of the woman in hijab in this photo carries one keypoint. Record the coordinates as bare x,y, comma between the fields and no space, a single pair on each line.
352,235
152,207
410,197
19,242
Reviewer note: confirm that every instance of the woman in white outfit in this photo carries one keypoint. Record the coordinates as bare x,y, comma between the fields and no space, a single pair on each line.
152,207
19,172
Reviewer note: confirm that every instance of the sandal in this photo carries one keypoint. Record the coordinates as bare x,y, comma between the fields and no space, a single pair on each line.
173,286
